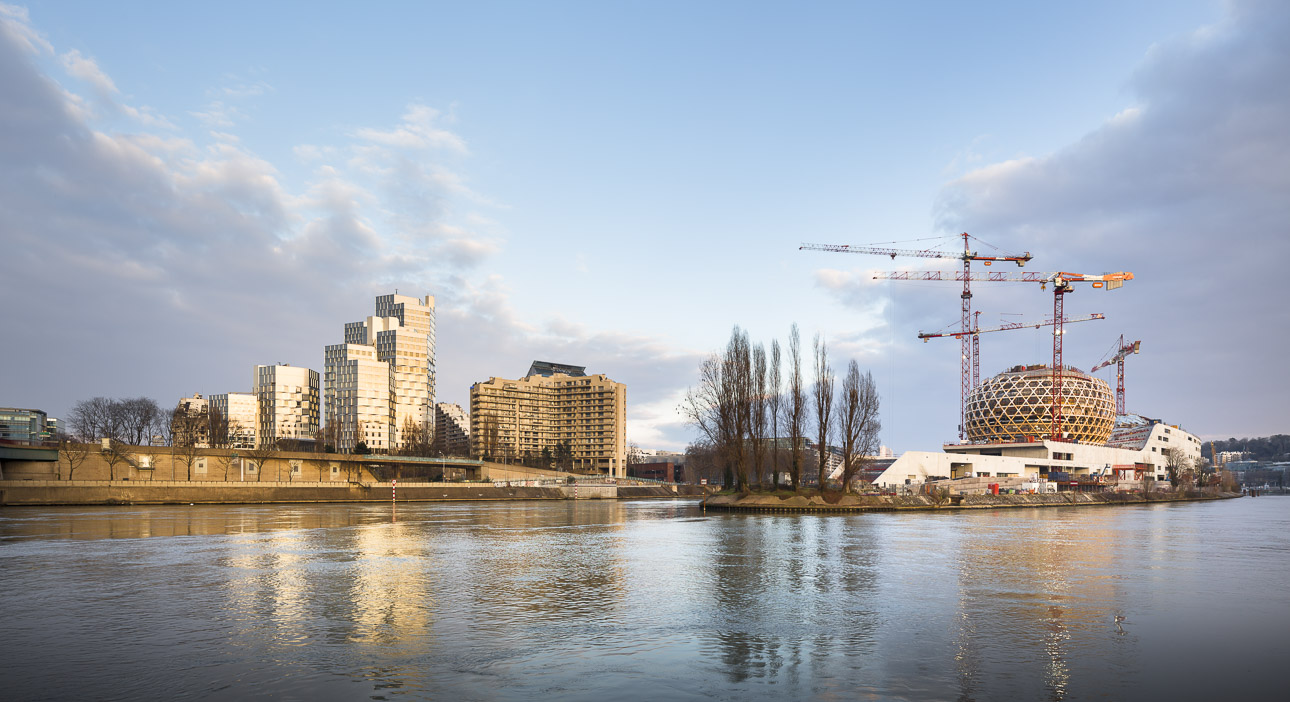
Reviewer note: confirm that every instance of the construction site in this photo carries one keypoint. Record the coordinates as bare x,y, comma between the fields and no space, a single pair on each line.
1040,427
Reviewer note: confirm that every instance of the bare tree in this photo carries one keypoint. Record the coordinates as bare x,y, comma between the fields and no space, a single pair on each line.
72,451
720,407
707,411
701,463
240,436
416,438
738,392
326,437
1176,465
563,454
320,458
757,413
96,418
773,399
115,453
634,454
823,394
261,455
217,427
859,424
489,438
187,431
140,417
224,459
226,434
795,406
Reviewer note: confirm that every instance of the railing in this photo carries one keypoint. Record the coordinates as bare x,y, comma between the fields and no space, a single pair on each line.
18,443
337,484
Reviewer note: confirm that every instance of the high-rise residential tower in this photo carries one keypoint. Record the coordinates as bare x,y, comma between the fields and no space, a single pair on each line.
236,412
381,380
287,398
555,408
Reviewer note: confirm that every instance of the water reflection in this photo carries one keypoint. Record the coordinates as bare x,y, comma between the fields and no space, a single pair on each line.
636,600
796,598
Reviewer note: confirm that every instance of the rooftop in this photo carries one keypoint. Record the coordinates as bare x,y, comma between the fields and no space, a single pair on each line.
548,369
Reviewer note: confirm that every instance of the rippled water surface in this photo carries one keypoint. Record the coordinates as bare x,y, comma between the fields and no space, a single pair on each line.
643,600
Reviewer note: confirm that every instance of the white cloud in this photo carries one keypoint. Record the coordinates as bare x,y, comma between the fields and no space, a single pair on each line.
1186,188
241,266
148,117
86,69
219,114
16,22
418,130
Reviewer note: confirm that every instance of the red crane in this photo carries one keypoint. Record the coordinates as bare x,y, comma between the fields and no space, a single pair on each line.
1122,351
1062,282
968,256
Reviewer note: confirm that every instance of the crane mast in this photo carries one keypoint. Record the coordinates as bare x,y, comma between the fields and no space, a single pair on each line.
977,331
1122,351
1063,284
966,378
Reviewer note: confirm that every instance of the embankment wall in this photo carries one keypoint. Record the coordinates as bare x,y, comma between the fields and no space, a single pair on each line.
92,492
891,503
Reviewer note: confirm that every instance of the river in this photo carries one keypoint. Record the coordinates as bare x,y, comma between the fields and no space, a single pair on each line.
643,600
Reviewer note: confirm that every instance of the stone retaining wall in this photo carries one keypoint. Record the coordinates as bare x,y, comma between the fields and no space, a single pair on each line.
891,503
102,492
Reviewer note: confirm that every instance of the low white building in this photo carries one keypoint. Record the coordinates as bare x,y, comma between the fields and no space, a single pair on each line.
1138,447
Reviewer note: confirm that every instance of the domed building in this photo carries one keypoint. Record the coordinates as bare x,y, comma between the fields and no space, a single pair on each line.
1008,425
1015,406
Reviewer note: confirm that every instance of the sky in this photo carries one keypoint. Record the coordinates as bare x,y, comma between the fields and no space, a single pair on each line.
188,190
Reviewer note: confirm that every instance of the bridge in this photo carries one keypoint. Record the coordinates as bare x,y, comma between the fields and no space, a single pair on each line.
22,454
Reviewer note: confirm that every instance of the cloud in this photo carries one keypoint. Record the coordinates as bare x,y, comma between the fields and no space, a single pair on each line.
86,69
418,130
219,114
241,91
16,23
1186,188
150,262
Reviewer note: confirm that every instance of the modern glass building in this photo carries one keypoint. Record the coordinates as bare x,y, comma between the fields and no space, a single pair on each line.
26,425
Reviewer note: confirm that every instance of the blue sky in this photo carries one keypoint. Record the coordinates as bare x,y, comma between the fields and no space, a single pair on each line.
191,190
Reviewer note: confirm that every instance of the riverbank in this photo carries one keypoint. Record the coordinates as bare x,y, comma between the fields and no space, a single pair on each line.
815,503
128,492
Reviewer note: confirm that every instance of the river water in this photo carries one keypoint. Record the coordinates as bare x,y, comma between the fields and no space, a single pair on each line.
643,600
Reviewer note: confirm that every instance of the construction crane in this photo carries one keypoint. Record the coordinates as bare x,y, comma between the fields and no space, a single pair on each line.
966,381
1122,351
1062,282
1009,326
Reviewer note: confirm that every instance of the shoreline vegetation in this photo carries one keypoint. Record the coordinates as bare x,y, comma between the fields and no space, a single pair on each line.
831,502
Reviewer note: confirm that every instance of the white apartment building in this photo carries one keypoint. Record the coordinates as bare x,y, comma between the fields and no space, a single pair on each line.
356,391
383,376
287,399
238,409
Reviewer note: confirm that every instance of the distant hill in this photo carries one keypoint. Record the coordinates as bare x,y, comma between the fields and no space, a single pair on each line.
1264,448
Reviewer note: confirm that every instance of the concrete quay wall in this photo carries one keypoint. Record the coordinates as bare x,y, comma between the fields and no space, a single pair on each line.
893,503
119,492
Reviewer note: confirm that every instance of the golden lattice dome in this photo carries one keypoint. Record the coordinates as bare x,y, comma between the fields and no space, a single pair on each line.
1014,406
